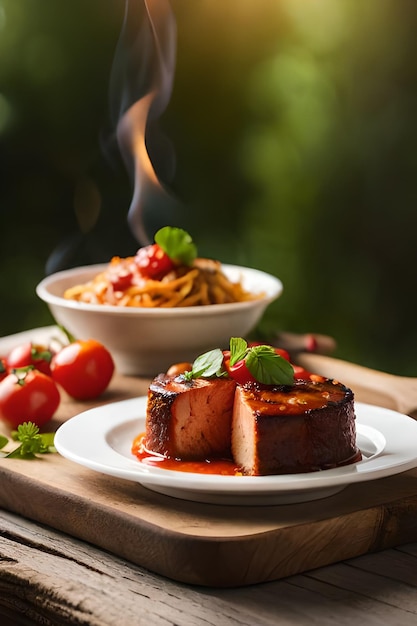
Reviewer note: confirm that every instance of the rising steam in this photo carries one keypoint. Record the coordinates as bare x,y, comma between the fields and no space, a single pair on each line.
140,87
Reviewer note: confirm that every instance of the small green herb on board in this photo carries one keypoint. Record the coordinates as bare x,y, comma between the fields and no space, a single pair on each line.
32,442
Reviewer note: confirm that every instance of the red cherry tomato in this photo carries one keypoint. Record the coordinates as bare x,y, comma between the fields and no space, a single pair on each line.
122,281
285,355
239,371
83,368
300,373
120,275
29,353
153,262
28,396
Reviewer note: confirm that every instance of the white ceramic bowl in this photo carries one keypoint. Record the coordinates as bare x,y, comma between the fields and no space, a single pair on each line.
146,341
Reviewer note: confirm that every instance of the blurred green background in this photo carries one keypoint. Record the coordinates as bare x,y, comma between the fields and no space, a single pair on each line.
295,131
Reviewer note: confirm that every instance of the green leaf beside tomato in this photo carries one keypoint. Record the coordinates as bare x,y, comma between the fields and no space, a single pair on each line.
173,246
257,363
268,367
177,244
262,363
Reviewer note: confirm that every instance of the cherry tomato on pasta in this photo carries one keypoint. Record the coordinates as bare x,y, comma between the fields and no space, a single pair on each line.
120,275
83,368
29,395
122,281
153,262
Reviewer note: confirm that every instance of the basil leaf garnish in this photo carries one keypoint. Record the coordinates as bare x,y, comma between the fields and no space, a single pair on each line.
207,365
238,349
177,244
268,367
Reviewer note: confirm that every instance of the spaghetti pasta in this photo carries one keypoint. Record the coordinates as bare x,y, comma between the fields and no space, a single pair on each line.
199,284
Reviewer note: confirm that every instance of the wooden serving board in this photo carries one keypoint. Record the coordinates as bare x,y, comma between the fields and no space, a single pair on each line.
205,544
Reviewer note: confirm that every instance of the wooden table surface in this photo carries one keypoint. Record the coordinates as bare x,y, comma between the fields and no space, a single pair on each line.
50,577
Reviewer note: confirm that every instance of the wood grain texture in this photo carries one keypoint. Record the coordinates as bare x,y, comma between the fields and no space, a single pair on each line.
51,579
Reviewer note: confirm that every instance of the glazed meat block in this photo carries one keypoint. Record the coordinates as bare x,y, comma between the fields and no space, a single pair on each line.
290,429
189,419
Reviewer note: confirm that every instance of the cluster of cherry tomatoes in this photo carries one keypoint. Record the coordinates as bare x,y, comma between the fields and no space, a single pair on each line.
31,376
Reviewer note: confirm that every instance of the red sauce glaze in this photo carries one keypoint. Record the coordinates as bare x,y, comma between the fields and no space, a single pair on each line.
224,467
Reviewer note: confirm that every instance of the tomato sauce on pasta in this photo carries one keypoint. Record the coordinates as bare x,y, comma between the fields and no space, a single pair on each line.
122,284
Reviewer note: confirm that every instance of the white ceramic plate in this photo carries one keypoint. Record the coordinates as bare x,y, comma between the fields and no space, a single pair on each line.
101,439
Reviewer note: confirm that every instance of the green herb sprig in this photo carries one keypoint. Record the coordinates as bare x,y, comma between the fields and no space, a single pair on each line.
263,362
32,442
